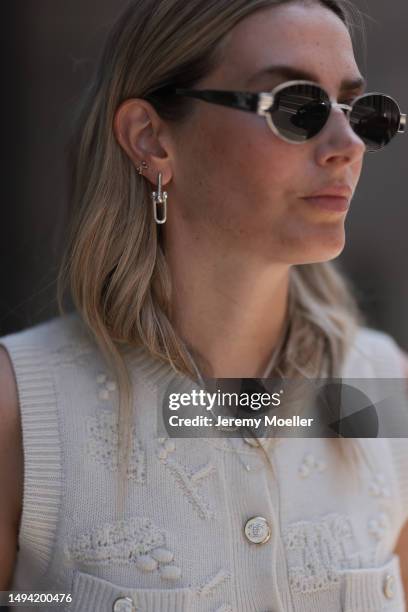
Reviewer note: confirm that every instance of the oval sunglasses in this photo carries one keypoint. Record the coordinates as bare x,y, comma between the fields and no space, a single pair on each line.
296,111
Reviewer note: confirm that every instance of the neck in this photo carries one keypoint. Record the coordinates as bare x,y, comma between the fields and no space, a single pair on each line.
230,313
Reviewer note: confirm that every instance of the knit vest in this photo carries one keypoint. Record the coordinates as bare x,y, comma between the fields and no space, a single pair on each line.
208,526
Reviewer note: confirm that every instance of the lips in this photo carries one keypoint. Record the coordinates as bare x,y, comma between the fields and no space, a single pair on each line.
332,198
329,203
340,191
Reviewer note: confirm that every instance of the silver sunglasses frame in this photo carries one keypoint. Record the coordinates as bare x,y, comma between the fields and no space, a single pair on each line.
266,101
260,103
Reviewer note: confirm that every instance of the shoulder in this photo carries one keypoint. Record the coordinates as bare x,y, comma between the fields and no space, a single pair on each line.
367,338
376,354
43,346
379,356
35,363
25,360
50,334
33,366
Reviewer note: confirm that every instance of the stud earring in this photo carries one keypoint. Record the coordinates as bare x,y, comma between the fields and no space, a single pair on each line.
159,197
142,167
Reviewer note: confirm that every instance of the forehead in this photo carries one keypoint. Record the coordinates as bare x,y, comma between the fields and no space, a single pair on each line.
306,36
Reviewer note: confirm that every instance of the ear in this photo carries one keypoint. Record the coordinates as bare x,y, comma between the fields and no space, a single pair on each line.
142,135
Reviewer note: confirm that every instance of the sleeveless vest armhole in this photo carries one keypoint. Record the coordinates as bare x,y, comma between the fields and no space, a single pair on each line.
41,447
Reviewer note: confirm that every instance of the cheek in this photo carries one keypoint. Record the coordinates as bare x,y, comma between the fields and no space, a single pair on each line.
248,165
245,184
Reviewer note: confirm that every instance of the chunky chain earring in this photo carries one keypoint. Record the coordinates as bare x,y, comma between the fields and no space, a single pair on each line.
159,197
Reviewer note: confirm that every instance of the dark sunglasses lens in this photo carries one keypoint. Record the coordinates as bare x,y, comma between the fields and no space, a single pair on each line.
376,119
299,112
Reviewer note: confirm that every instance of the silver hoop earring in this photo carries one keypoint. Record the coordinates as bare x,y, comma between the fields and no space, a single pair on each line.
159,197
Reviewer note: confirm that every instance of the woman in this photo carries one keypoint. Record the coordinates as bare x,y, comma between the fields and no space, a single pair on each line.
200,248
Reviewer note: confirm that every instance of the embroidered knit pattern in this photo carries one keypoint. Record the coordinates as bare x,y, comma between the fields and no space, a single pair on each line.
137,540
179,542
316,550
102,446
188,480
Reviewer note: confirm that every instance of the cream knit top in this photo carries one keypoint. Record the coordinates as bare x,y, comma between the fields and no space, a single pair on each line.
181,545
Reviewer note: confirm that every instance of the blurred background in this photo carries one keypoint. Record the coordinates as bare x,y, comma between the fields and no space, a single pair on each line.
49,51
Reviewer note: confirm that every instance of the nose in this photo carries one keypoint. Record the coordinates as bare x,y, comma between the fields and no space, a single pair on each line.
338,143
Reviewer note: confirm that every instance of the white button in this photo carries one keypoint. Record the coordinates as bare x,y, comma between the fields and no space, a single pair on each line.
124,604
257,530
389,586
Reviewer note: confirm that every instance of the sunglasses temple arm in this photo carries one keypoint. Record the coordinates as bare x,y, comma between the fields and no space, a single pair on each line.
241,100
403,124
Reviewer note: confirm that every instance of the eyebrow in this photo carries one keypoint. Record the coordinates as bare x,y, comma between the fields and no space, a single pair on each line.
291,73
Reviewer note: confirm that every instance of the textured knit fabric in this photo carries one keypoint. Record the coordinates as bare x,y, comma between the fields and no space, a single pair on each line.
180,545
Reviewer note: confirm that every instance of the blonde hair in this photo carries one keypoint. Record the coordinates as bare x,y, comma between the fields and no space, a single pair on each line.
114,265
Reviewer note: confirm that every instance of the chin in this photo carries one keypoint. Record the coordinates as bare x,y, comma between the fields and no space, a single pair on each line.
319,247
328,253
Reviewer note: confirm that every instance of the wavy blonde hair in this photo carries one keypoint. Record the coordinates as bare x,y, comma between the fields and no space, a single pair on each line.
114,265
